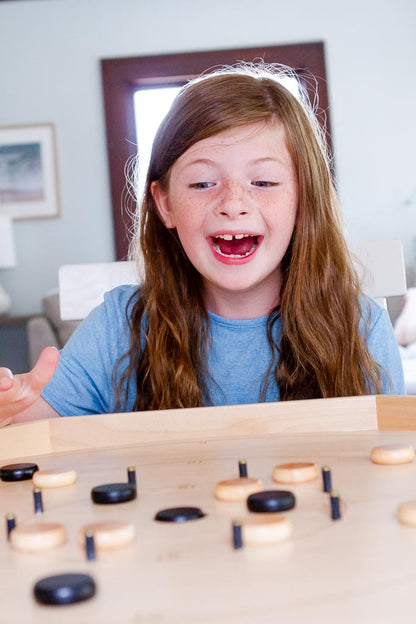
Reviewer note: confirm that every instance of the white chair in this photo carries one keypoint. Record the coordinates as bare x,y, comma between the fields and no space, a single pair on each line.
82,286
380,265
381,268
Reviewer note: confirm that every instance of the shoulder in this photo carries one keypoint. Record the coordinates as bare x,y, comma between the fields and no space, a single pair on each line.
375,325
370,309
110,316
117,302
374,317
122,296
382,346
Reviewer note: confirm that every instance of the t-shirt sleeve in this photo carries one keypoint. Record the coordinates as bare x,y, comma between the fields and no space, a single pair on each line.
383,347
83,381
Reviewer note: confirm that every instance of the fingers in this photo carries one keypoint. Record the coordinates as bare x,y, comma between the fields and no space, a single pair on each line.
40,375
44,369
20,394
6,379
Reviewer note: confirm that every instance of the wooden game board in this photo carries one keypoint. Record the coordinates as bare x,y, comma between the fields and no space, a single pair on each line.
360,568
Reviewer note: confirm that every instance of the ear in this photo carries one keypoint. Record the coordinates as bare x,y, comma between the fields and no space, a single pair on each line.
161,199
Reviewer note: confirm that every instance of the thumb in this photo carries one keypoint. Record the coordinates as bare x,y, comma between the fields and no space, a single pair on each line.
44,368
6,379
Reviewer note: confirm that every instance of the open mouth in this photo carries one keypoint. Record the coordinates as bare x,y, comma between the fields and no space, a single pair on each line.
235,245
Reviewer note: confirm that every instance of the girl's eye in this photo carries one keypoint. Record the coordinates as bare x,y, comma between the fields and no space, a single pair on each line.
201,185
264,183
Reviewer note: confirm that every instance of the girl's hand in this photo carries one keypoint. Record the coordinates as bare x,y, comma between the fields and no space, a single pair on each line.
21,393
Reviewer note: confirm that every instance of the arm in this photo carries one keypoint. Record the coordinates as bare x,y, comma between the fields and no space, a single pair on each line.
83,381
384,349
20,394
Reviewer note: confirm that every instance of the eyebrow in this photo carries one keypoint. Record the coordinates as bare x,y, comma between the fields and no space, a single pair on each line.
267,159
255,161
200,161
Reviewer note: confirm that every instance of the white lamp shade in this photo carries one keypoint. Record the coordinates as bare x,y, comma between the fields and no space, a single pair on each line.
7,252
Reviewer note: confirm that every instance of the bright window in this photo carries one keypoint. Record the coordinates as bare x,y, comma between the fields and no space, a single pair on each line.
150,107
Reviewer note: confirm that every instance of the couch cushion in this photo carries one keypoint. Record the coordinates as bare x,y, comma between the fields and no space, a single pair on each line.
63,329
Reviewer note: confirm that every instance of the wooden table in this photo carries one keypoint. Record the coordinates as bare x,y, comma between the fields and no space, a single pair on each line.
360,568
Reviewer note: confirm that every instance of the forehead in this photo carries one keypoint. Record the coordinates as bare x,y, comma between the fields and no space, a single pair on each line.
253,141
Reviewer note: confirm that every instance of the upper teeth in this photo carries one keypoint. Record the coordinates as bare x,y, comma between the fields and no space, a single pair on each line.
229,237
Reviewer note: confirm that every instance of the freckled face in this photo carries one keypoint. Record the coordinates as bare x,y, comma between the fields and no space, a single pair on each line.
233,200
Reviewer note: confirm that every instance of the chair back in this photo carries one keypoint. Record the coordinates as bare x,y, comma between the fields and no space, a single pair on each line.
380,265
381,268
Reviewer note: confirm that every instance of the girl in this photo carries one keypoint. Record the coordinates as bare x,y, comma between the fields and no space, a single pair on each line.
249,294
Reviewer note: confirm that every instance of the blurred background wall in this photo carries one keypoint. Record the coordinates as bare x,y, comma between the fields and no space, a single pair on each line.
50,53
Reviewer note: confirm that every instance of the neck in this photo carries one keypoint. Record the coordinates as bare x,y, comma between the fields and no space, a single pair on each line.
241,305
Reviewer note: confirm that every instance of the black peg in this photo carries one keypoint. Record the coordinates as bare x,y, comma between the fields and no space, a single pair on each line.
237,535
242,468
90,545
326,479
37,498
11,523
335,506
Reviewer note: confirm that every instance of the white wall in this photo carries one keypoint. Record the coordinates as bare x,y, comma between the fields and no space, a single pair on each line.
50,72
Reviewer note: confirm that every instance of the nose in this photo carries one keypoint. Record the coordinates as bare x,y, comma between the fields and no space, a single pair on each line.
233,201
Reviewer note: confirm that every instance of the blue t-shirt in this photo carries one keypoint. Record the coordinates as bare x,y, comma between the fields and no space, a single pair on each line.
238,359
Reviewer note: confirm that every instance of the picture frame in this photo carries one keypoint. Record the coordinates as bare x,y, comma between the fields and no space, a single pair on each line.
29,184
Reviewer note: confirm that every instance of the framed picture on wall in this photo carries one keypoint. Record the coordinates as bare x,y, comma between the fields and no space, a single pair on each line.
29,186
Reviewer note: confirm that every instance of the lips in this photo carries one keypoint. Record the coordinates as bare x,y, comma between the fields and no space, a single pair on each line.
235,246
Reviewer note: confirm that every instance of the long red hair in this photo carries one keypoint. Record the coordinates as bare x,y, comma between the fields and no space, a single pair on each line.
321,352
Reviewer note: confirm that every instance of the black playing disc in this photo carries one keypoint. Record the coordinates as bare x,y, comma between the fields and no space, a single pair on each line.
64,589
112,493
179,514
18,472
271,501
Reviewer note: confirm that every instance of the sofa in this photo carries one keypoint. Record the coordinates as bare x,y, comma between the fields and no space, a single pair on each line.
47,329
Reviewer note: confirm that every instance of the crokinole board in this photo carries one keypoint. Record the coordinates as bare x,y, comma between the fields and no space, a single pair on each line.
359,568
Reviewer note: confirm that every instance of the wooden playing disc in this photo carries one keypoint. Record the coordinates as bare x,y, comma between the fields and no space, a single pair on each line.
406,513
392,454
265,530
54,478
108,535
295,472
38,536
238,489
